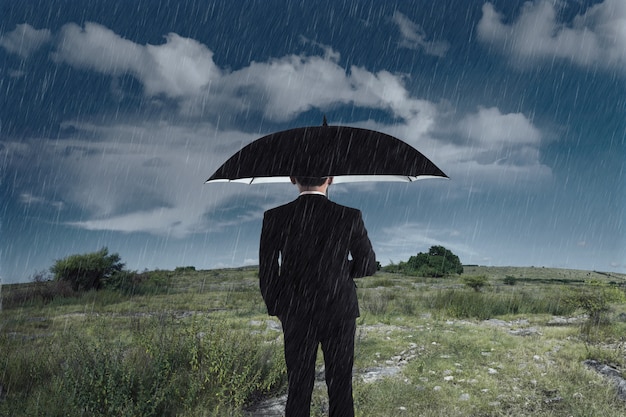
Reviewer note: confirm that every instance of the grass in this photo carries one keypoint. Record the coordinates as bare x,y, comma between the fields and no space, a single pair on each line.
199,344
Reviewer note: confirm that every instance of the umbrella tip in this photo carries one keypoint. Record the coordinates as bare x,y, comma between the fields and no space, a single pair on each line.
324,122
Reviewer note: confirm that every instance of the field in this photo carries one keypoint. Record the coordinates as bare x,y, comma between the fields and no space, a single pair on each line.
198,343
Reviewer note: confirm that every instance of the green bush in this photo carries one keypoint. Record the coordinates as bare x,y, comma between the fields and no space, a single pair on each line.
134,283
438,262
87,271
510,280
595,300
475,282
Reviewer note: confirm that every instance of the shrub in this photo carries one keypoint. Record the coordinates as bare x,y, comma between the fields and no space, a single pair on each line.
171,370
510,280
180,269
40,291
475,282
595,300
88,271
438,262
135,283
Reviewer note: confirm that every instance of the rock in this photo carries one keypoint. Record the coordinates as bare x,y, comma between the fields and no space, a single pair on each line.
553,400
375,374
497,322
529,331
612,374
272,407
563,321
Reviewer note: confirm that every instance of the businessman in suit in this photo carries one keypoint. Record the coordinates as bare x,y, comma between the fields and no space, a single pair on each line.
311,249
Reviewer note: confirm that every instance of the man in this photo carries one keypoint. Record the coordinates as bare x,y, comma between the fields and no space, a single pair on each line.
306,279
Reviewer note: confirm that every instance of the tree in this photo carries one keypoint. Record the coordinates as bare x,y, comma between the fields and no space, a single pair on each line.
438,262
87,271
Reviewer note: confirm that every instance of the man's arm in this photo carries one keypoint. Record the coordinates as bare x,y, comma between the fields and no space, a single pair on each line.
363,257
269,269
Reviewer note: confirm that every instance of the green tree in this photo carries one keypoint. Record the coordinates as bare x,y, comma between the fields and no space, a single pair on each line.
438,262
87,271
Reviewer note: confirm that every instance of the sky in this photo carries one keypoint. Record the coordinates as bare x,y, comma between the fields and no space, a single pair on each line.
113,113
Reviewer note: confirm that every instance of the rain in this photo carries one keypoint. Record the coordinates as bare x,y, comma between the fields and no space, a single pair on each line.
114,113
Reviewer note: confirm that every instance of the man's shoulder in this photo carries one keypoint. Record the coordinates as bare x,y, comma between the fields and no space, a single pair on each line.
280,209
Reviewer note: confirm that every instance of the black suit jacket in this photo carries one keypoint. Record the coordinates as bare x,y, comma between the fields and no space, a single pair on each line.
304,266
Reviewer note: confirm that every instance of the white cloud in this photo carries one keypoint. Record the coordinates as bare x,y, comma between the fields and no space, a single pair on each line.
399,242
281,88
491,127
414,37
146,176
25,40
177,68
596,38
30,199
97,48
183,66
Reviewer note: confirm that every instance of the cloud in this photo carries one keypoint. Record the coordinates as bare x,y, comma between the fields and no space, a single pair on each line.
147,176
399,242
179,67
31,199
279,89
596,38
25,40
490,126
414,37
293,84
495,137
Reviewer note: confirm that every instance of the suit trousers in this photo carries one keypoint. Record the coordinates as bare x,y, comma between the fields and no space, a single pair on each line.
302,338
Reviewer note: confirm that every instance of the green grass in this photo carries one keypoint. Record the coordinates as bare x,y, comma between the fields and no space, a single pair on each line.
196,343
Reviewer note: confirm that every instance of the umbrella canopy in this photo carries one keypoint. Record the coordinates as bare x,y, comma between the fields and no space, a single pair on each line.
348,154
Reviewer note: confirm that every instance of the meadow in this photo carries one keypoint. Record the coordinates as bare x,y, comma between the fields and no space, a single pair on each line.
199,343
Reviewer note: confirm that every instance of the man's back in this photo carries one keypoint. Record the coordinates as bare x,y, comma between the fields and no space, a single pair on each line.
313,238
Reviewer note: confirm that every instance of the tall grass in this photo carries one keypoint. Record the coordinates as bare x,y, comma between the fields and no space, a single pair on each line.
483,306
464,303
162,368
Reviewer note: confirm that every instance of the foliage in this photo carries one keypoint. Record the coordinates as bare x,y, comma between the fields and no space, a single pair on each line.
41,290
475,282
164,369
402,299
510,280
134,283
87,271
595,300
180,269
483,306
438,262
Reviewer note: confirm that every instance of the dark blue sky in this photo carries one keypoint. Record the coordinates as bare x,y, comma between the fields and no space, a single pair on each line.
113,113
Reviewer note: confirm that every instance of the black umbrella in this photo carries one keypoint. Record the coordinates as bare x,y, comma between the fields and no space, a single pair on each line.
348,154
